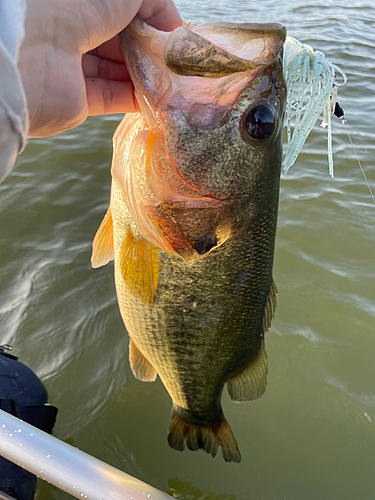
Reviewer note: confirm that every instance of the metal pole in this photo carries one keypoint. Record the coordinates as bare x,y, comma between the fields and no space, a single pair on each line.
4,496
67,467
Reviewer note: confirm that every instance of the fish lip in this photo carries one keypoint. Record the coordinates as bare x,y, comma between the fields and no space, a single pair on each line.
137,35
262,27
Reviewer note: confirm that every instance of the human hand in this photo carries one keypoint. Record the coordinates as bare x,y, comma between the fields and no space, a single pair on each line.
71,62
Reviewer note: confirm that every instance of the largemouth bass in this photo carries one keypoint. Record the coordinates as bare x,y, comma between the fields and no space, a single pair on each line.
192,218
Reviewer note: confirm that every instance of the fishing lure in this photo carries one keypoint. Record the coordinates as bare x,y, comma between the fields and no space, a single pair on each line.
312,85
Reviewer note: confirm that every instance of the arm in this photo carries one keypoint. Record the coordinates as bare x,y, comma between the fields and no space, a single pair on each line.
13,114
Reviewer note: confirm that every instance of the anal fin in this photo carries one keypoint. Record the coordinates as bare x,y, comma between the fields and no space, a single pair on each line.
102,246
251,383
141,367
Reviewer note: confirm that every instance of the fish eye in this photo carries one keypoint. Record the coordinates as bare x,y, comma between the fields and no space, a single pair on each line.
259,122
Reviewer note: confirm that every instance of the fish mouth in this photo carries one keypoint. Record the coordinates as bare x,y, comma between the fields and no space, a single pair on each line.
164,66
209,50
189,84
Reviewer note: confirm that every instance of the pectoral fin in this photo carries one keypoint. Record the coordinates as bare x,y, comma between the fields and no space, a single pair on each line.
102,246
141,367
139,264
252,381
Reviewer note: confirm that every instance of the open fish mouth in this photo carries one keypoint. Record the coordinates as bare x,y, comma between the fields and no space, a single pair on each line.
212,109
194,75
212,51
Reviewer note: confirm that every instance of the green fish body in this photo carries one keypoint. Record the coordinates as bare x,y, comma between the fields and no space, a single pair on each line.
192,218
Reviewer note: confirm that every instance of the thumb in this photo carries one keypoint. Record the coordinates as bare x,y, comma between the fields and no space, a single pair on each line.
100,21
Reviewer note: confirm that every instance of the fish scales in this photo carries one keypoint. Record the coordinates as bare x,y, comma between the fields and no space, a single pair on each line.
193,215
187,317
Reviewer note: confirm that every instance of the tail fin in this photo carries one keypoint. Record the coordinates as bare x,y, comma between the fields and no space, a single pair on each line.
199,436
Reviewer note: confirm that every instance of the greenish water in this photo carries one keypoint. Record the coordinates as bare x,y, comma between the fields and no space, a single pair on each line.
312,435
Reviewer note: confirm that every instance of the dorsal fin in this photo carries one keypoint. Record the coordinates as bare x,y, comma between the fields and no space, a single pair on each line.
141,367
102,246
252,381
269,311
139,263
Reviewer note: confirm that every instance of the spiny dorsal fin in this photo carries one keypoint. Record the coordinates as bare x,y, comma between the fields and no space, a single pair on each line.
139,263
141,367
205,437
252,381
269,311
102,246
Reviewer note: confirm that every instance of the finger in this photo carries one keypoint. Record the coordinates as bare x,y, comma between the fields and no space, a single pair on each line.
97,67
108,96
113,17
109,50
162,14
166,19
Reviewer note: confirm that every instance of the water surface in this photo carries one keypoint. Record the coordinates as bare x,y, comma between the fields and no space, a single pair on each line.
312,435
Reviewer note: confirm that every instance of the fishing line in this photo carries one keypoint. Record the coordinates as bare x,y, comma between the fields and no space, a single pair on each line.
343,121
339,112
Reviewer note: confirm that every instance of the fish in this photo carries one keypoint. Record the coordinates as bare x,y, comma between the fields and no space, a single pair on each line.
192,218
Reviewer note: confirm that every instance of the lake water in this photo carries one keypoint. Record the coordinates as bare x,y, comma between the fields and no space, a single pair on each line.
312,435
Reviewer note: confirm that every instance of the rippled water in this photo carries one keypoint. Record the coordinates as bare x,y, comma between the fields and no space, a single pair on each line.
312,435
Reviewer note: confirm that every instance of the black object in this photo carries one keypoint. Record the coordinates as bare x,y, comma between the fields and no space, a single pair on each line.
339,112
23,395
